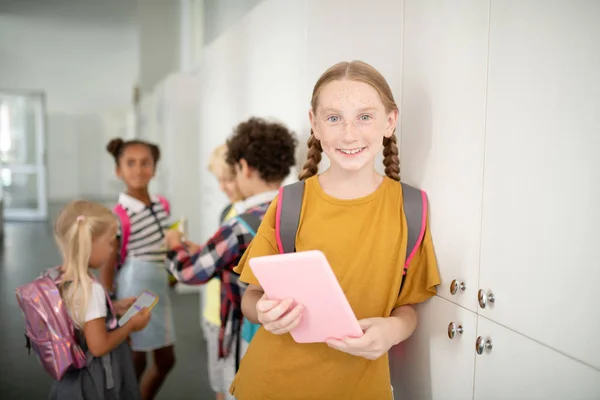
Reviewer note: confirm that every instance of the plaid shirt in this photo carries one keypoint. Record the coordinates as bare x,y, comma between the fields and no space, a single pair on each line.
217,258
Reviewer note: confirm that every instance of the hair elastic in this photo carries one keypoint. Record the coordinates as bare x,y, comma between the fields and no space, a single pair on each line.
80,218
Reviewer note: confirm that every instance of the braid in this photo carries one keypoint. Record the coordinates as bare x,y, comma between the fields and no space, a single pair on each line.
390,158
313,158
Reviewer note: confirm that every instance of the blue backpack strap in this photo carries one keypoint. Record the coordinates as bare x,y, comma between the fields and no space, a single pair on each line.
414,204
289,206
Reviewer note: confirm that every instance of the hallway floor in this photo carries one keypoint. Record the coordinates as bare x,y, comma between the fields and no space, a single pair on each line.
28,249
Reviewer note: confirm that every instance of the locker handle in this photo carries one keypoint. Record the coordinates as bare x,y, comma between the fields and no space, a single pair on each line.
484,298
453,330
455,285
482,344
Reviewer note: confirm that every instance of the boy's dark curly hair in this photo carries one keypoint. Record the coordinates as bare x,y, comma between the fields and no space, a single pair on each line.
268,147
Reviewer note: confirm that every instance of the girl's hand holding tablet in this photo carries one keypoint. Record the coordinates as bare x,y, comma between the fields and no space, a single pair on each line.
278,316
378,338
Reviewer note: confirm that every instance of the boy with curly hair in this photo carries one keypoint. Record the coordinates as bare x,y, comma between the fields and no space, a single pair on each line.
262,154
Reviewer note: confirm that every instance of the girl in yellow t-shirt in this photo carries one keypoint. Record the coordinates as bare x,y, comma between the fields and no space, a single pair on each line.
218,373
354,216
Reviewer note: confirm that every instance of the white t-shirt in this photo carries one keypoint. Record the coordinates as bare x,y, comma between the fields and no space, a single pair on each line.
96,307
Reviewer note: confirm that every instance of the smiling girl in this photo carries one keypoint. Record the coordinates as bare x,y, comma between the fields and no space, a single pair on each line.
353,117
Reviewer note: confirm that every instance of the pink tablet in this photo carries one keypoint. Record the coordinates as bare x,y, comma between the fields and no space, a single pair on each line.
308,279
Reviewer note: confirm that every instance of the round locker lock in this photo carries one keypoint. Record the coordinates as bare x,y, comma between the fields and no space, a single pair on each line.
485,298
453,330
482,344
456,285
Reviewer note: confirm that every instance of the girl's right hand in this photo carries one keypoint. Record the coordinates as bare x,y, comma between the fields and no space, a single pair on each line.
140,320
274,315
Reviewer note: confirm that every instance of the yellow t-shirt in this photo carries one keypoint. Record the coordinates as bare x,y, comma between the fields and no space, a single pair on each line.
212,294
365,242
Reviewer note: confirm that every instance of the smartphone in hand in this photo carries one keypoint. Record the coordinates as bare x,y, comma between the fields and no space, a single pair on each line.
146,299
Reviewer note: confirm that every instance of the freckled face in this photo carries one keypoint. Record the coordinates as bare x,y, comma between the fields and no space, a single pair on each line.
350,122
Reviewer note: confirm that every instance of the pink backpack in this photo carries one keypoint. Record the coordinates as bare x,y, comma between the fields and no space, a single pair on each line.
48,327
126,225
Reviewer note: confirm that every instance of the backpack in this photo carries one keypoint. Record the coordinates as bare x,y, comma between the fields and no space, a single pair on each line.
49,329
126,225
289,204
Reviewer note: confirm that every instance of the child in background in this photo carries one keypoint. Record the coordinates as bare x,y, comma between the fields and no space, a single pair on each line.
225,175
211,323
85,233
262,154
143,267
354,216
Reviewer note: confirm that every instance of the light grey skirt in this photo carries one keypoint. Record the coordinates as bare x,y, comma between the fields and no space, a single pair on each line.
133,278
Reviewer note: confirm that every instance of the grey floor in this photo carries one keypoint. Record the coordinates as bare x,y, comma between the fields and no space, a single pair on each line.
27,249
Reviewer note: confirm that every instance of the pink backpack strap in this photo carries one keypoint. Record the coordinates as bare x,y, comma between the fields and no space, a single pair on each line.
165,204
125,230
112,321
278,220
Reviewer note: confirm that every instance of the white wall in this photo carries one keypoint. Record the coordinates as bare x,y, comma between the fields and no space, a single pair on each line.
83,55
267,63
250,71
159,24
220,15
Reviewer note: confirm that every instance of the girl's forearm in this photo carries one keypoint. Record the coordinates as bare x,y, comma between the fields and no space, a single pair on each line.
403,322
249,300
100,341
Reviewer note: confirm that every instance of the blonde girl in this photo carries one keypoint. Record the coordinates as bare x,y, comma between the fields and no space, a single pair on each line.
85,233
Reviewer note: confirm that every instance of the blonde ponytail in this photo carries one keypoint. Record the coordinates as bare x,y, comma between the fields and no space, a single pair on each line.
75,265
77,225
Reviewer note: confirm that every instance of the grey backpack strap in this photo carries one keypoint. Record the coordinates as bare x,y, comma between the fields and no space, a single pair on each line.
415,211
107,366
250,221
107,358
289,205
108,371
